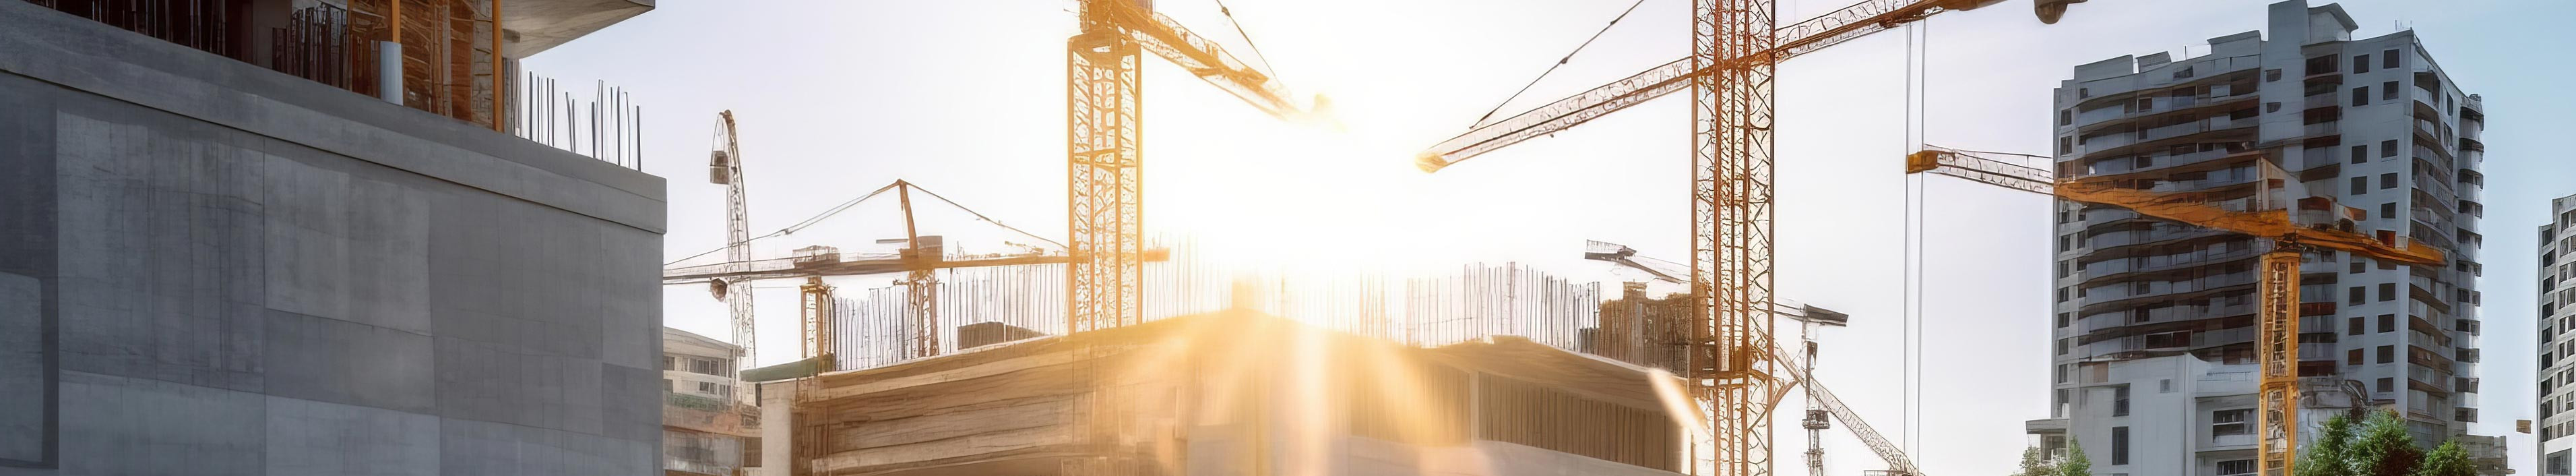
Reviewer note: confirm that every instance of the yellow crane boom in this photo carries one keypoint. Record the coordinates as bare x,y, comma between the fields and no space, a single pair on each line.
1104,185
2277,279
1735,47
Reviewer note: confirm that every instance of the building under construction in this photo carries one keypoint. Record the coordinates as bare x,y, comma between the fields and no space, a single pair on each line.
1233,392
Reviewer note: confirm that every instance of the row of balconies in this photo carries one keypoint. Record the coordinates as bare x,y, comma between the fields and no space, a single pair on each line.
2166,262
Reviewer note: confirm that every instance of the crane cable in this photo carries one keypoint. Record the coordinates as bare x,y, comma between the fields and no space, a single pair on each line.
1917,93
1560,62
1266,67
844,206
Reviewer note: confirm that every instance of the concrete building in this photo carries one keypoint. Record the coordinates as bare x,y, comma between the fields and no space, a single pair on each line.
705,424
2557,389
2368,135
208,267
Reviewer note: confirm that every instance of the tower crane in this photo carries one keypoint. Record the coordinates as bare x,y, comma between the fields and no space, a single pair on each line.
1822,405
1735,48
1104,187
920,257
2276,341
724,166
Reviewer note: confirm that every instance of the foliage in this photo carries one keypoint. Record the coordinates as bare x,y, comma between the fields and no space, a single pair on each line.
2036,463
2328,455
2076,464
2384,448
2447,460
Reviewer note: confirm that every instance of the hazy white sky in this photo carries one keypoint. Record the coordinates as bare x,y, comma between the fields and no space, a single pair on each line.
837,98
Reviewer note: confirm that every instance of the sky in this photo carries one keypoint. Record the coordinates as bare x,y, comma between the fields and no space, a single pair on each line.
966,98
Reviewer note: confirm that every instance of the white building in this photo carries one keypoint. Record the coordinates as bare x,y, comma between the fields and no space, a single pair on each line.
2179,415
2557,389
2367,135
706,428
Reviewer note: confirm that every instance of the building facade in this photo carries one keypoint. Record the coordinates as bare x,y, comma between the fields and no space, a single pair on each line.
2367,135
2557,384
212,267
706,423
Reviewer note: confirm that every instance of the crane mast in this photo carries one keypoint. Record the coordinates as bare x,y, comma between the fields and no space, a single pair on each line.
1104,187
2276,341
726,168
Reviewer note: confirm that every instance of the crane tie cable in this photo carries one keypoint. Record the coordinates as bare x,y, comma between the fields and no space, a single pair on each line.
1247,42
1560,62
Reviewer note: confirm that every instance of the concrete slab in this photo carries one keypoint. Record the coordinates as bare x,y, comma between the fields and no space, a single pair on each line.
338,361
328,439
22,369
156,257
117,426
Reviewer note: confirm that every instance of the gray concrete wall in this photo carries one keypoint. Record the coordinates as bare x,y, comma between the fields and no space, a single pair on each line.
208,268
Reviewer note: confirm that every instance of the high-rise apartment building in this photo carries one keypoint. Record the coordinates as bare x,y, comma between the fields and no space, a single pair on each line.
2557,388
2367,135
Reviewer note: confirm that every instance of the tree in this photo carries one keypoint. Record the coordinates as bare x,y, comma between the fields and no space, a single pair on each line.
2330,454
2448,460
2384,448
2036,463
2075,463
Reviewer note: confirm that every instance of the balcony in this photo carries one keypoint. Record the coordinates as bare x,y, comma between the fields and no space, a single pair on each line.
2320,129
2150,264
2465,415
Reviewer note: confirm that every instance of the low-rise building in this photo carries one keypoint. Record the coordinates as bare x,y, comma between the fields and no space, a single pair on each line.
705,427
1233,392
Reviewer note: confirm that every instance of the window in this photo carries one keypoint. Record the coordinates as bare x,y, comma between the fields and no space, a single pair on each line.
2388,59
706,366
2164,386
2271,75
2385,385
2387,181
706,387
2361,96
2353,326
2321,65
2388,323
2388,90
2360,185
2354,294
2119,445
2356,269
2120,401
2387,291
2230,422
2360,64
2388,148
2066,117
2387,354
2185,72
2146,104
2063,318
2353,357
2061,346
2360,153
669,363
2235,467
2061,297
2065,145
667,385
